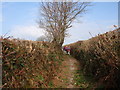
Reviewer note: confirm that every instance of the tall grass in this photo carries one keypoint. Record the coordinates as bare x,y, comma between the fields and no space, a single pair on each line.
100,58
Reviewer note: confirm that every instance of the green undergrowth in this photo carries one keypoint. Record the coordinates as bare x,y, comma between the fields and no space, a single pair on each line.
83,81
29,64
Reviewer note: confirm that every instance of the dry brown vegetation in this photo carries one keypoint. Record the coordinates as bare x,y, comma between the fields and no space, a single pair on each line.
34,64
100,58
28,64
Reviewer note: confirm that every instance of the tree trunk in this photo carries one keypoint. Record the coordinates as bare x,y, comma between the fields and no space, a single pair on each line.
59,40
62,41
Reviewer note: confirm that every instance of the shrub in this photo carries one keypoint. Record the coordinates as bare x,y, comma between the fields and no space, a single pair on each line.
100,58
28,64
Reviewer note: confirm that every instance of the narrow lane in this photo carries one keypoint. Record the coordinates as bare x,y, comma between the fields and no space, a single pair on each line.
65,79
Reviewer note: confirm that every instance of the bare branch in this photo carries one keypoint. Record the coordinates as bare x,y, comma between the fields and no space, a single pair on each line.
57,17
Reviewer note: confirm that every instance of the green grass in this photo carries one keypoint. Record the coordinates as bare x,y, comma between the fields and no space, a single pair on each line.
40,77
51,85
82,81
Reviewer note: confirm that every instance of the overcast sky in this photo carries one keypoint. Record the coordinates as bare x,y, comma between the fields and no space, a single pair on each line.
18,19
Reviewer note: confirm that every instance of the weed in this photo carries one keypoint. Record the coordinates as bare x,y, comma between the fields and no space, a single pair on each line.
81,80
51,84
40,77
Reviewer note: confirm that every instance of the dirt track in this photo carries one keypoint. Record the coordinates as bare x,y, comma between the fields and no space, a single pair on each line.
65,78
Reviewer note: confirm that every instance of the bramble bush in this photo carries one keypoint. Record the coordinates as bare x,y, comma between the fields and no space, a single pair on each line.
28,64
100,58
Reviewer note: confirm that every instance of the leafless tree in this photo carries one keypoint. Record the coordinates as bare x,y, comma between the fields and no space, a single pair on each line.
57,17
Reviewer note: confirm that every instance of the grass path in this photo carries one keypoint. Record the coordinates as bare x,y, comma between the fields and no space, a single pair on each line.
69,75
65,77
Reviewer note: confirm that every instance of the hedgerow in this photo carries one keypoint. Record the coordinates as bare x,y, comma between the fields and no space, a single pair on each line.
100,58
28,64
